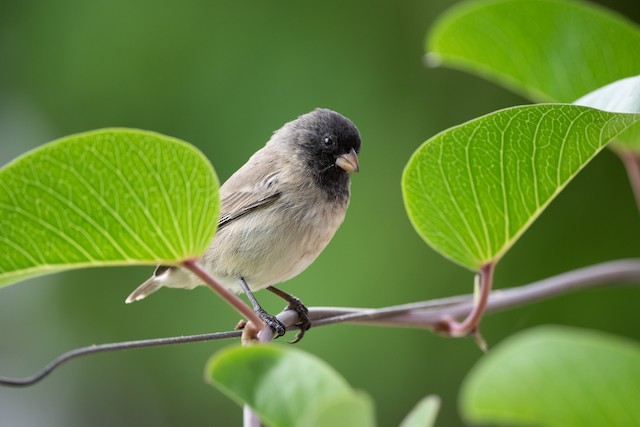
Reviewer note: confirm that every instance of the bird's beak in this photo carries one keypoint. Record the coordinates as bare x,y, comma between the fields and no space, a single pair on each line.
349,161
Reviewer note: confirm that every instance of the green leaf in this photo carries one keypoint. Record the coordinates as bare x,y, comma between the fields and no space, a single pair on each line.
472,190
424,414
107,197
546,50
288,387
556,376
622,96
351,410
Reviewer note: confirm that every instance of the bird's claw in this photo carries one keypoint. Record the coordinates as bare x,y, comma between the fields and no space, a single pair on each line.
272,321
305,321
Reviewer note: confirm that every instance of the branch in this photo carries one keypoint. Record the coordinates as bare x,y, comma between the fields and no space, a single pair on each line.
101,348
430,314
424,315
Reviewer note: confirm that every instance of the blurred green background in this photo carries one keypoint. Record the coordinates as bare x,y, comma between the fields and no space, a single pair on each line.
223,76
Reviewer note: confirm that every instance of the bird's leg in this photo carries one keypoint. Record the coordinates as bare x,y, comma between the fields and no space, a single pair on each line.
296,305
270,320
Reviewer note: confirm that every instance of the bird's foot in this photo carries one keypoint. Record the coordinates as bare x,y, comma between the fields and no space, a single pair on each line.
272,321
305,321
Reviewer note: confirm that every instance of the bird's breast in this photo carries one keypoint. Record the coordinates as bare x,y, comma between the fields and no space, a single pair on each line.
274,244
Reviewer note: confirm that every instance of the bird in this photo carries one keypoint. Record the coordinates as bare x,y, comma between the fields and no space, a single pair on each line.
277,213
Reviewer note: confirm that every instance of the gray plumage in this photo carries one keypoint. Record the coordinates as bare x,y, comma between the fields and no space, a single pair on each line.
280,209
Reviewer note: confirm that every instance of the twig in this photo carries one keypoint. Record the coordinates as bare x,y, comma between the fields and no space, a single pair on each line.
101,348
429,314
424,315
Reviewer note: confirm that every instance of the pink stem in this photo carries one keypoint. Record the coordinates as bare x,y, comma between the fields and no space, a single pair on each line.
471,323
631,162
235,302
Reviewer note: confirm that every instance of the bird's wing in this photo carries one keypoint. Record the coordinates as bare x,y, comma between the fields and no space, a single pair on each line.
247,192
250,206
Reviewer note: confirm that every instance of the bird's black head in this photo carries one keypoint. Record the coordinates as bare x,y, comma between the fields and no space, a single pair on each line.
329,144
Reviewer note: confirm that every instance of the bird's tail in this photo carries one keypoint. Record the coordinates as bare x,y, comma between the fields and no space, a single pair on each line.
147,288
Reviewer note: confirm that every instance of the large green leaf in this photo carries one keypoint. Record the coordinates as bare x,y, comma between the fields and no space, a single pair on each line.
288,387
622,96
553,376
472,190
546,50
108,197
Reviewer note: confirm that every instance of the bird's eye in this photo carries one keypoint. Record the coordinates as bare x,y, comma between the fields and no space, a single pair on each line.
327,140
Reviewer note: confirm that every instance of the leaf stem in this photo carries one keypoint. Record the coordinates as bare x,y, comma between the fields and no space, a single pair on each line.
471,323
235,302
631,162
